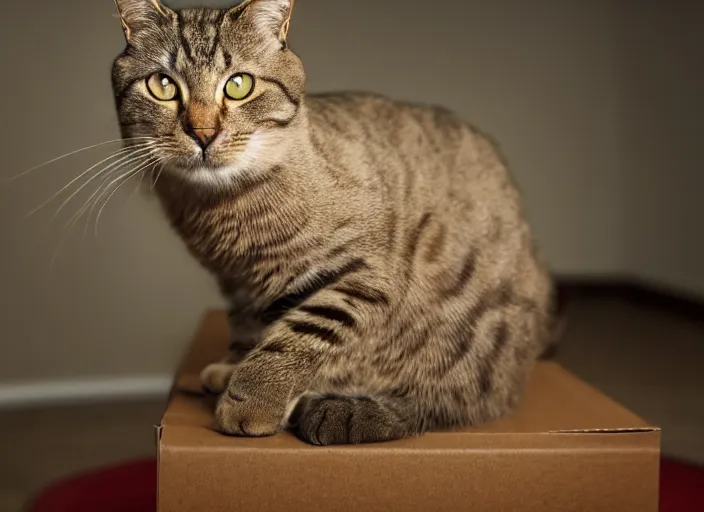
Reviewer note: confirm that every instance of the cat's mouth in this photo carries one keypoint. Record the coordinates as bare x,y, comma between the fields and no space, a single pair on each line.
225,162
219,163
216,157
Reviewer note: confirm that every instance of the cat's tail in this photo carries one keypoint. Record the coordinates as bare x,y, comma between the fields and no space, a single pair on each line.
557,323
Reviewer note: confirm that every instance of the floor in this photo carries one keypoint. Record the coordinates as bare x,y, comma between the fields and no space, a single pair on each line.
647,358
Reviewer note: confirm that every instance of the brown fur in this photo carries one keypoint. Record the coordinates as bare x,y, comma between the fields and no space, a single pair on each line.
382,275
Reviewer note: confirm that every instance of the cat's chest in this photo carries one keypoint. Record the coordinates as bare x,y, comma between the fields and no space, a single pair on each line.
211,235
255,243
242,250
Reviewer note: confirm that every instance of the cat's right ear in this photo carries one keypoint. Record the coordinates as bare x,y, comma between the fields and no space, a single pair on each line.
269,17
137,14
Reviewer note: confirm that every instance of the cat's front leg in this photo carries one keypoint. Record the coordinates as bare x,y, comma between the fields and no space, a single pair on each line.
245,333
216,376
265,388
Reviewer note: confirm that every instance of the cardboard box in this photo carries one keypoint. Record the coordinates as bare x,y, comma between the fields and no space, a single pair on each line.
567,448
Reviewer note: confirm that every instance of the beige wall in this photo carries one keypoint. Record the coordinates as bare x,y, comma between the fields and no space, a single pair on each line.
549,81
661,96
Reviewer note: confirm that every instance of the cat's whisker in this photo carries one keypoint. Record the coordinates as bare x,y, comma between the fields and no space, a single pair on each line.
164,146
71,153
128,176
134,192
92,201
74,180
69,225
129,200
102,188
110,168
153,185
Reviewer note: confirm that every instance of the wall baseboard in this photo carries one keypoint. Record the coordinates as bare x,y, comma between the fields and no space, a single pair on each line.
94,390
644,292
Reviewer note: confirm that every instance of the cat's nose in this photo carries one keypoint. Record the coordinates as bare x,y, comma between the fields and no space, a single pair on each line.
203,136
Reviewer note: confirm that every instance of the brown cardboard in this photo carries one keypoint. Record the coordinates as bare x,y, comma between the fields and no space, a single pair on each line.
567,448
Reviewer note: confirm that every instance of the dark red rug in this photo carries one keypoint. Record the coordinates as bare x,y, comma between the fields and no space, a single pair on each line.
133,487
127,487
681,487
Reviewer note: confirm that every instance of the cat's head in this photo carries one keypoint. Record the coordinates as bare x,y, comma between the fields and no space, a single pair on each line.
211,94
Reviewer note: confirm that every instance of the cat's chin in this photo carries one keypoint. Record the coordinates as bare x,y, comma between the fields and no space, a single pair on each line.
264,151
209,176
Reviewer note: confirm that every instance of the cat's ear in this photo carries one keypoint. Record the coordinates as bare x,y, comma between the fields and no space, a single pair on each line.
136,14
270,17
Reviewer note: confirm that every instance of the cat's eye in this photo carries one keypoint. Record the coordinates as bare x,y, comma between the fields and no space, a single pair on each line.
239,86
162,87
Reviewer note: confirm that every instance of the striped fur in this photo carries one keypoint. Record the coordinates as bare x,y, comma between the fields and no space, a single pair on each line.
382,276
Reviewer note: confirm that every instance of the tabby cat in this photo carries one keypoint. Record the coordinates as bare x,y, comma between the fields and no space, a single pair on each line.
382,278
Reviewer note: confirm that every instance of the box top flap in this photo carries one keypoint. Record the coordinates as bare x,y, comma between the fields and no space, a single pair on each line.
555,402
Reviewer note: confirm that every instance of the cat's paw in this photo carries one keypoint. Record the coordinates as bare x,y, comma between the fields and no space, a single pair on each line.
255,403
344,420
215,377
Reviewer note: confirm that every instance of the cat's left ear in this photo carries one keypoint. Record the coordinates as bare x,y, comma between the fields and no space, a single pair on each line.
269,16
138,14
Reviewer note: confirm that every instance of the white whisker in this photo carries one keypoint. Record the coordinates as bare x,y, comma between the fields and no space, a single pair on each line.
109,168
108,172
134,192
97,195
158,157
75,218
153,185
116,154
75,152
133,173
102,188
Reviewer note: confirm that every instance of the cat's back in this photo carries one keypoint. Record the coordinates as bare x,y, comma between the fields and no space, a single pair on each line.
435,145
396,138
384,119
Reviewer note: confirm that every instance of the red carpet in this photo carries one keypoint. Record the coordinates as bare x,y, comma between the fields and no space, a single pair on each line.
681,487
129,487
133,487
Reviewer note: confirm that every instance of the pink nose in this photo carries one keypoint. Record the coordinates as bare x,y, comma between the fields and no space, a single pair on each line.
204,136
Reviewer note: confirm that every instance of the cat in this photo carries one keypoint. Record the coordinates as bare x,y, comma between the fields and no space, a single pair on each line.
382,277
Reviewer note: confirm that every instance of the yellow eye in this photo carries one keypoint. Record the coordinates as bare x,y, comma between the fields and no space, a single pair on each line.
162,87
239,86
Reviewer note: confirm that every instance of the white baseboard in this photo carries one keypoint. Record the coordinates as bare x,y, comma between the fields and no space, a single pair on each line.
65,392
